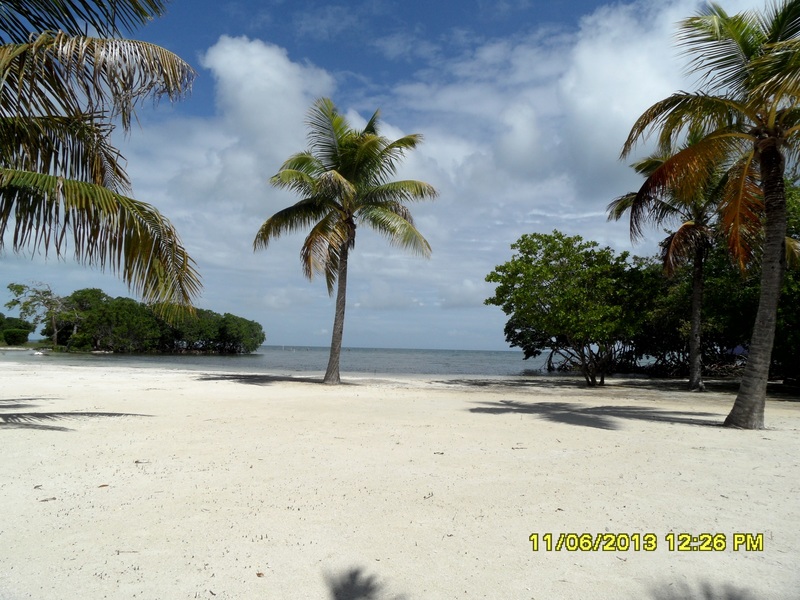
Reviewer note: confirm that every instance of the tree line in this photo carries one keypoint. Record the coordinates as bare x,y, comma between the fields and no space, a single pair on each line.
91,320
587,309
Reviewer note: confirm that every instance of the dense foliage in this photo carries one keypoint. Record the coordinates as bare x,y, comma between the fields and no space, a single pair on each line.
90,320
14,331
580,302
600,313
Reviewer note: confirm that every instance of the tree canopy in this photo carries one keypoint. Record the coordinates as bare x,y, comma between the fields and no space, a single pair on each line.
570,297
90,320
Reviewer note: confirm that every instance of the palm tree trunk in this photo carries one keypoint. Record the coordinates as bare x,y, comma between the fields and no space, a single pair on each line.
332,373
695,354
748,409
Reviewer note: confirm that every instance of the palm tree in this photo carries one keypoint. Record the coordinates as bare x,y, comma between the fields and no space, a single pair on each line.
750,122
62,182
344,181
695,209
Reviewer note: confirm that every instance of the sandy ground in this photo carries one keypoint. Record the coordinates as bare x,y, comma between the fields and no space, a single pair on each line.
156,484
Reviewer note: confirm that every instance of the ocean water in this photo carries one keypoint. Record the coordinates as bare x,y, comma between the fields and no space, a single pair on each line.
305,360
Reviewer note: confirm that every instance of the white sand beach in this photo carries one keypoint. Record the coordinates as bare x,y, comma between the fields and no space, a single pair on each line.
124,483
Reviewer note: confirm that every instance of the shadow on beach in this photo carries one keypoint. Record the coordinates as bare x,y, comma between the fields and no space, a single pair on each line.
43,420
706,592
775,390
597,417
261,379
356,584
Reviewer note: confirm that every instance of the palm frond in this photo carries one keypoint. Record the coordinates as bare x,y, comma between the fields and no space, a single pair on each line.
60,74
297,217
394,152
74,147
105,229
792,253
776,73
684,112
322,249
780,21
741,209
326,130
395,224
373,125
617,208
407,190
108,17
337,189
295,179
679,247
721,46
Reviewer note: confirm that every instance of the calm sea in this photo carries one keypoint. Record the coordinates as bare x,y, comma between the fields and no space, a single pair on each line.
296,360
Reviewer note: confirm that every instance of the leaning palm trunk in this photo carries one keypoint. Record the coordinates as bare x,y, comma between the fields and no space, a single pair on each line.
748,409
332,373
695,347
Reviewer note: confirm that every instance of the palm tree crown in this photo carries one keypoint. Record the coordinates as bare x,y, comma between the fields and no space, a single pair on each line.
344,180
695,212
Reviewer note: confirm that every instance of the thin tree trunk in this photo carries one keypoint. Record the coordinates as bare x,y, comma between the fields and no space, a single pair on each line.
748,409
332,373
55,330
695,354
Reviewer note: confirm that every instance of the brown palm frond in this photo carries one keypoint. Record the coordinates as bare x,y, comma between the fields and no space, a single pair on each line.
741,210
679,247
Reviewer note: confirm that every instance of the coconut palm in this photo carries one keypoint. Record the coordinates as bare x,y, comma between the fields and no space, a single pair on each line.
62,182
343,180
748,115
695,211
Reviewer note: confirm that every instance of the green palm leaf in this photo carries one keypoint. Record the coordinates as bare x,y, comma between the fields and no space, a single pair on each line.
19,17
59,74
74,147
105,229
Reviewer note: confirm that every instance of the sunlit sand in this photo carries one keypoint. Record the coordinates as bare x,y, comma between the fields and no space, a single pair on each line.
146,483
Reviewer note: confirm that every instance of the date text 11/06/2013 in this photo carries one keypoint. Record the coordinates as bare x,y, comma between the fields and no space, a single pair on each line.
647,542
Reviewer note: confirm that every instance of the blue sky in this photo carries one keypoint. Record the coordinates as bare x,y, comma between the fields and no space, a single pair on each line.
524,106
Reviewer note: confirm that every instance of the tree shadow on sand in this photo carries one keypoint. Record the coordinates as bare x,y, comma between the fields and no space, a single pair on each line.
598,417
43,420
355,584
775,390
706,592
260,379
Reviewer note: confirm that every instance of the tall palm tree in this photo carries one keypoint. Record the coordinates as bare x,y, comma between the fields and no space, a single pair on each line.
344,181
62,182
750,120
695,211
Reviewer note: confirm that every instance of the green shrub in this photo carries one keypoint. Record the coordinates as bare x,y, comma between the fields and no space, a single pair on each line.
16,337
